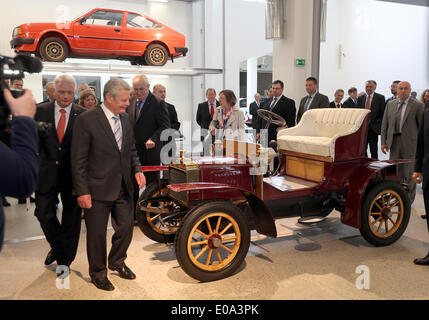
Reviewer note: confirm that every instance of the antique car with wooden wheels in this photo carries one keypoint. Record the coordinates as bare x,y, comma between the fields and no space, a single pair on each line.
210,204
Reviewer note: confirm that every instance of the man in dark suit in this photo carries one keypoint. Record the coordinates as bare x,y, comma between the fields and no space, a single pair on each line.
393,90
55,173
313,100
104,166
351,102
50,92
421,170
20,162
149,117
206,111
376,103
280,105
160,91
338,97
253,110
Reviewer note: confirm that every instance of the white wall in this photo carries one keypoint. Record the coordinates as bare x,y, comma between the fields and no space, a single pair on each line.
381,40
245,38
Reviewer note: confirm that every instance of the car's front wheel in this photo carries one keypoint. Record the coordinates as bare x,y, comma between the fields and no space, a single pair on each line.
53,49
385,213
156,55
212,241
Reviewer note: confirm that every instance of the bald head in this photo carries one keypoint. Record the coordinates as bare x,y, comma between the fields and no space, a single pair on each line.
160,91
50,90
404,90
257,97
141,86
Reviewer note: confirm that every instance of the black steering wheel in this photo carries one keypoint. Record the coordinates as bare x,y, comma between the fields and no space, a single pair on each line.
271,118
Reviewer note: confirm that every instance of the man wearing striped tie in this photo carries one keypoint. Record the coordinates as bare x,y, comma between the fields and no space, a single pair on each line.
104,165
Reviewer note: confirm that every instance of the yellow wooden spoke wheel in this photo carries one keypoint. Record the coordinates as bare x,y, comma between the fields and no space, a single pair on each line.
215,249
385,213
212,240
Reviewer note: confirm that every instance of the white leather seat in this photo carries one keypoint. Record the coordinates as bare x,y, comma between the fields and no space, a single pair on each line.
318,130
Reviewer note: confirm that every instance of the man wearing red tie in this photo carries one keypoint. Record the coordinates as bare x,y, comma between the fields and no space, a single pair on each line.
205,112
338,97
56,120
376,103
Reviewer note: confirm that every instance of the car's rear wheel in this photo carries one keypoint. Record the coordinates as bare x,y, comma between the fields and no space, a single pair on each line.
212,241
155,226
385,213
156,55
53,49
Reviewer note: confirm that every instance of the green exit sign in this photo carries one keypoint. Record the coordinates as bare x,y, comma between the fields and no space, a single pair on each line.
300,62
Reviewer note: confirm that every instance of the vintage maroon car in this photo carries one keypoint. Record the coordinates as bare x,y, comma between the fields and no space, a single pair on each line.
209,205
102,33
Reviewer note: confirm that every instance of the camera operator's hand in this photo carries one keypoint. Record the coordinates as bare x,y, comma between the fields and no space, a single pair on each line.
23,106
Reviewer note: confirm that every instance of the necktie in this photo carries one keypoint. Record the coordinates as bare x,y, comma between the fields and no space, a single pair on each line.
117,131
338,105
139,107
368,102
307,104
61,125
211,110
273,104
398,116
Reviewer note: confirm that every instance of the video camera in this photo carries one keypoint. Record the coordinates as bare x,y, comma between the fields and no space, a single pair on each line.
14,68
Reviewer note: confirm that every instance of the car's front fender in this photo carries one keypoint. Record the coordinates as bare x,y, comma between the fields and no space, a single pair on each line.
263,217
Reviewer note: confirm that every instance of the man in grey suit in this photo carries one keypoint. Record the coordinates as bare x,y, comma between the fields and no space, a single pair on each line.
313,100
104,165
399,131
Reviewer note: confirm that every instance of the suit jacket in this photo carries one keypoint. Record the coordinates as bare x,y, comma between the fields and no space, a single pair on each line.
19,164
349,103
234,128
203,115
55,160
285,108
319,101
253,110
410,125
390,99
172,115
98,166
427,104
377,111
422,151
149,124
334,105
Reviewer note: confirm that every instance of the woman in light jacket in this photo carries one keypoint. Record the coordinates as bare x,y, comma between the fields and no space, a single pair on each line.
228,119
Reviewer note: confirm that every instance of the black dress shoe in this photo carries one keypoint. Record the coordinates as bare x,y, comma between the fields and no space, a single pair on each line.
103,284
5,202
50,258
124,272
422,261
24,200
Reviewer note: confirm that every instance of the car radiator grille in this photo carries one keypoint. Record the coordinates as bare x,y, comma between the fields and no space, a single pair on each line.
178,175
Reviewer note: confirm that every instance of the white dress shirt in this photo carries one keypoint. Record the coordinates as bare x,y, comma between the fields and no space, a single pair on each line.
109,114
58,115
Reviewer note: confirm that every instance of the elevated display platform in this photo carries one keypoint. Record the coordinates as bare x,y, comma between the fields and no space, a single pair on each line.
123,69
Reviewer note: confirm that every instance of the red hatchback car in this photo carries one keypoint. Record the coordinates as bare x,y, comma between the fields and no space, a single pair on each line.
102,33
